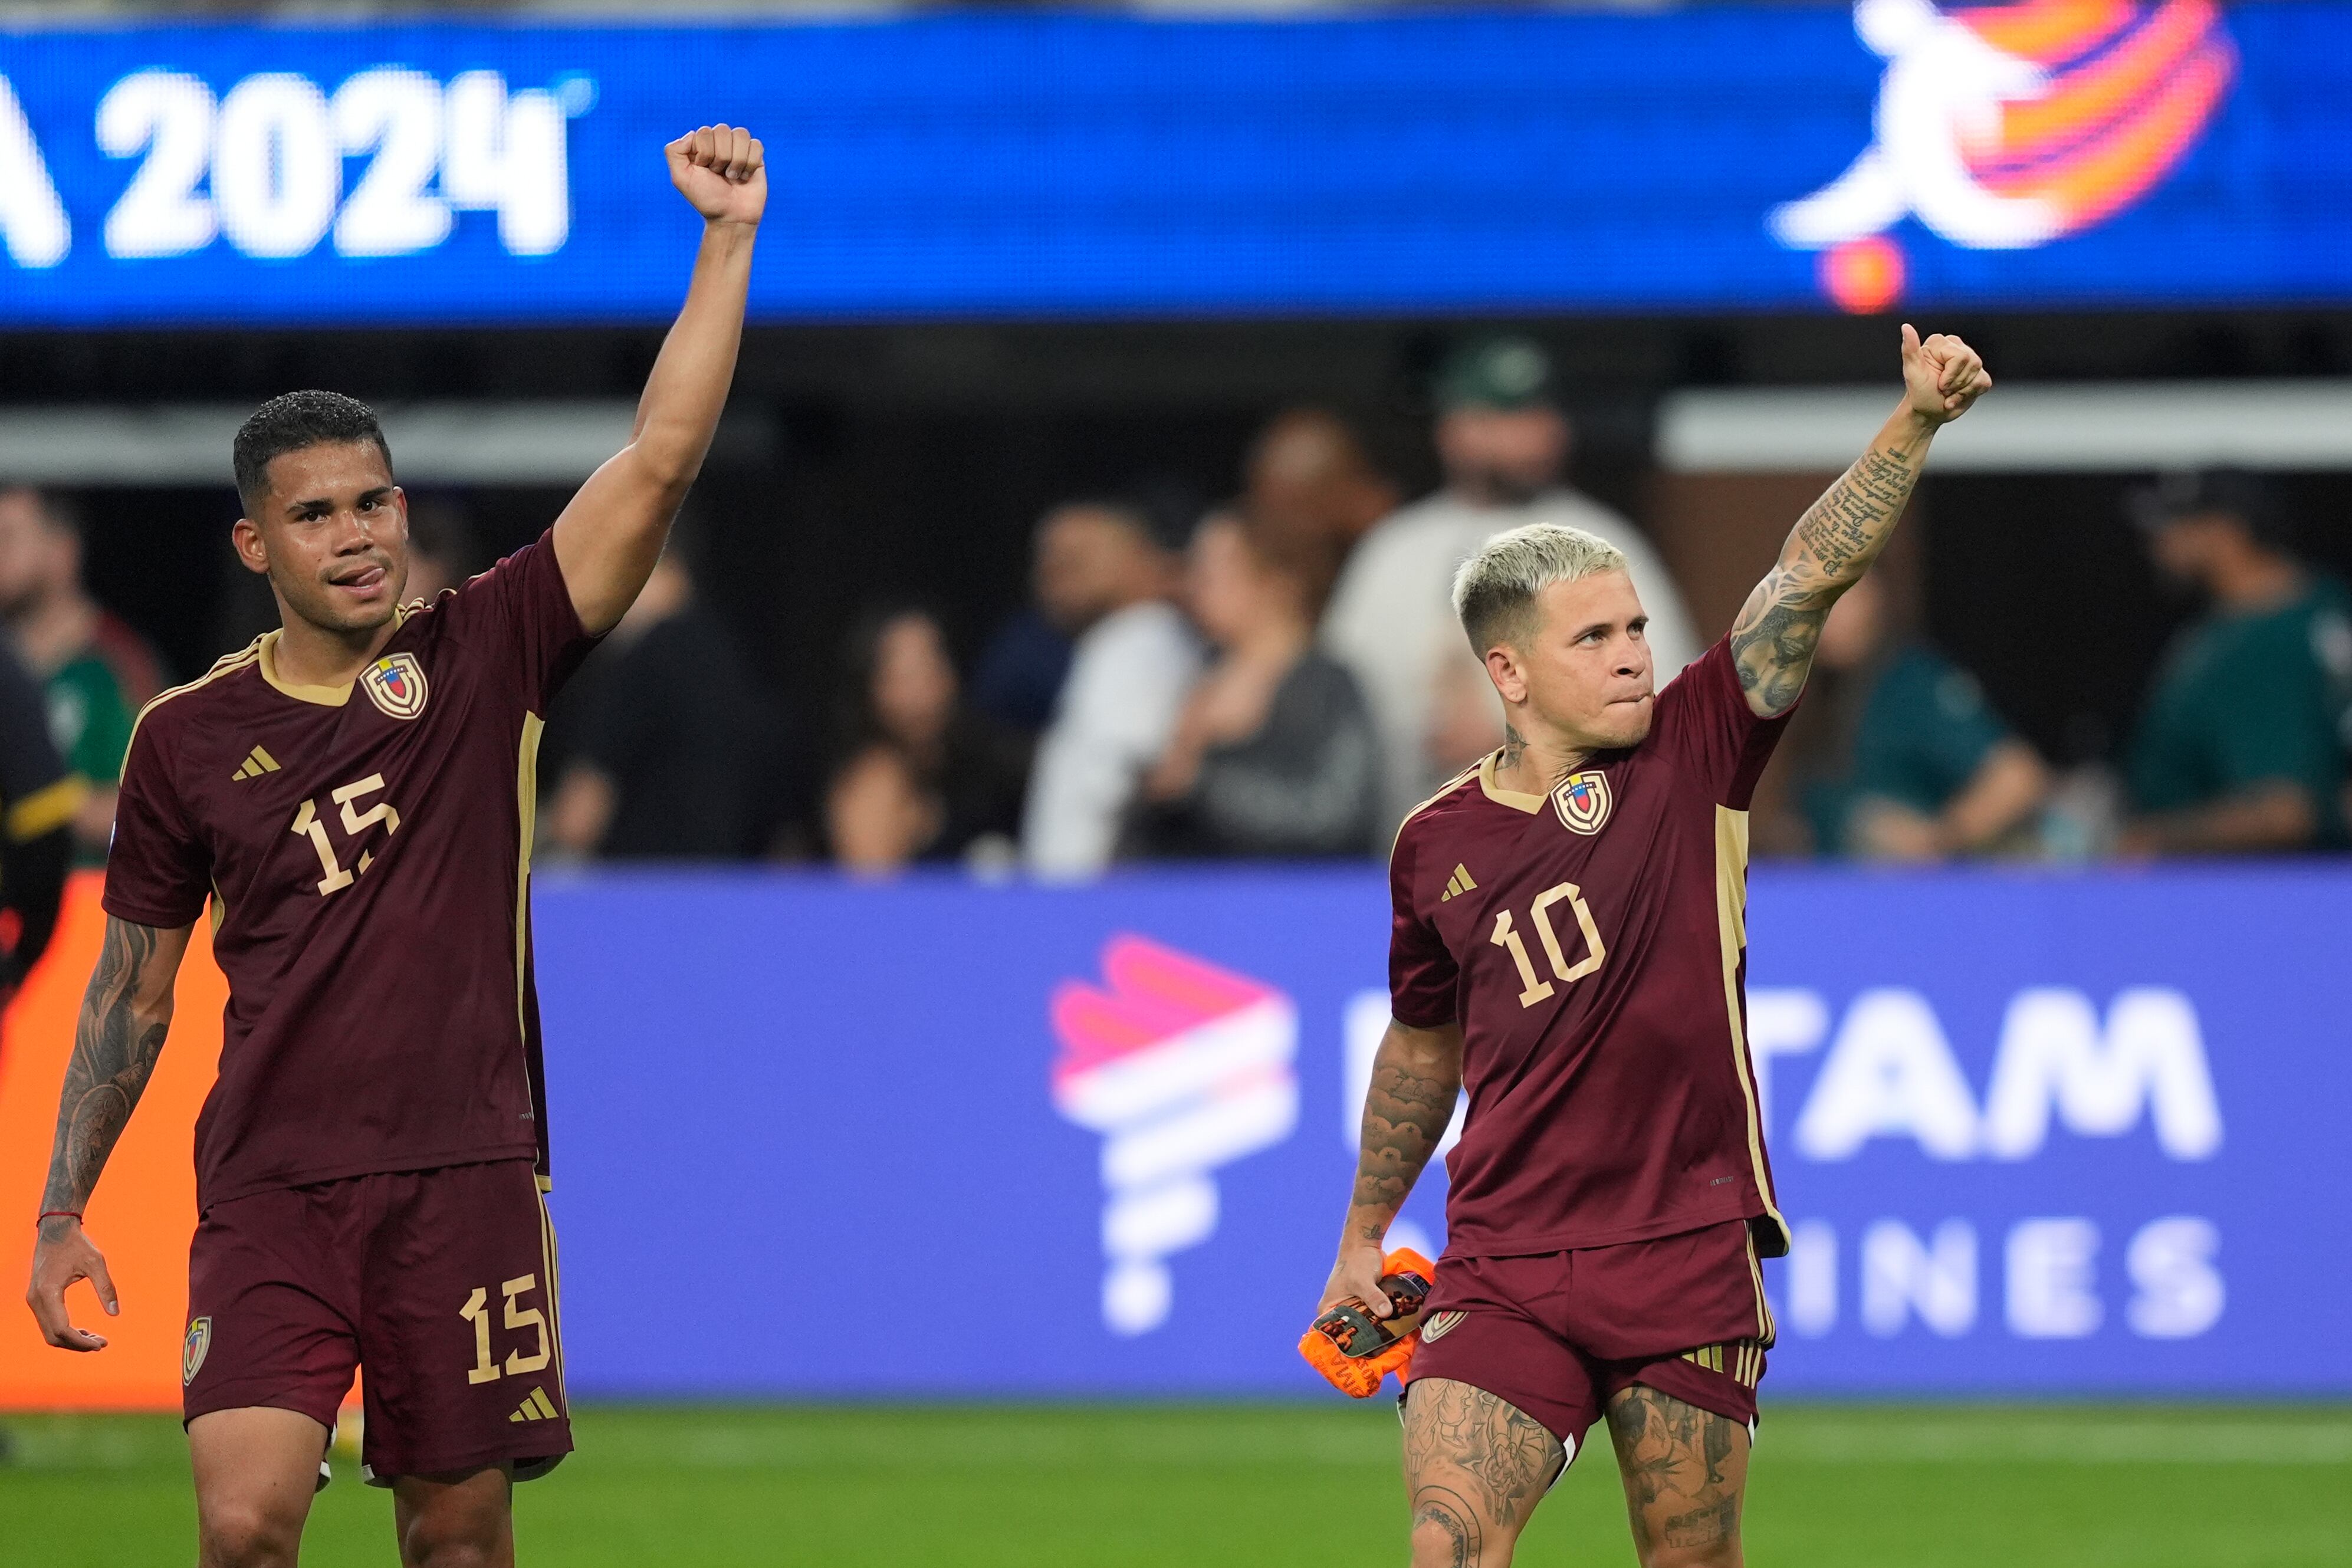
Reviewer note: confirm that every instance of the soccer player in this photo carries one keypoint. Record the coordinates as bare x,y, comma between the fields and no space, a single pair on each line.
1568,944
353,792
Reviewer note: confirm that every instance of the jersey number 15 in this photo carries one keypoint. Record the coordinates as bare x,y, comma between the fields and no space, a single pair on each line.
308,820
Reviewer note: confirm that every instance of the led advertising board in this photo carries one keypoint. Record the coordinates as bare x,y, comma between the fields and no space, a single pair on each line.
2053,154
2035,1134
2042,1134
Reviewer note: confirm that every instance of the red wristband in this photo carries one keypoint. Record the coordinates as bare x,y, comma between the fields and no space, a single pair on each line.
57,1214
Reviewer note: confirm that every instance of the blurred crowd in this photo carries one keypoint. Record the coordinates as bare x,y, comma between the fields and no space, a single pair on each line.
1275,677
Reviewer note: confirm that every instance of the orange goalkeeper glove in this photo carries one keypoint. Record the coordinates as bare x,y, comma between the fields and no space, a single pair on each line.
1356,1350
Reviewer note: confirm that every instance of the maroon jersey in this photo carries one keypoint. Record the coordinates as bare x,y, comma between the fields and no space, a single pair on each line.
367,853
1593,945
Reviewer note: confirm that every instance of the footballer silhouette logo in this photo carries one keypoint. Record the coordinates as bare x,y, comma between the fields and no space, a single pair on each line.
395,683
1582,801
193,1349
2008,127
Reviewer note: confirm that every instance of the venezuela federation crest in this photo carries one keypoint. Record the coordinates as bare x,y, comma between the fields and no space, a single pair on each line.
395,683
192,1348
1583,802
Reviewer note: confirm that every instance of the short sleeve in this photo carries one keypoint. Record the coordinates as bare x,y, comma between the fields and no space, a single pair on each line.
2274,730
1423,981
523,602
1702,718
157,870
1925,733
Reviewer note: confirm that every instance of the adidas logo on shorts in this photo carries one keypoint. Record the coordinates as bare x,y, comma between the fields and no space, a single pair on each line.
537,1407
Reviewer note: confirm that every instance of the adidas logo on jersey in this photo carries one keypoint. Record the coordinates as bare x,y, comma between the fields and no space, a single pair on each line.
257,763
1460,881
537,1407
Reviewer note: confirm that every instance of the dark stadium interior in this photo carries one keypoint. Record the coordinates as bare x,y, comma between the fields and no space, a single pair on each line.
866,464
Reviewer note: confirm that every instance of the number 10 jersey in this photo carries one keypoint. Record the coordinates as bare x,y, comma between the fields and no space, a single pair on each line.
366,850
1593,945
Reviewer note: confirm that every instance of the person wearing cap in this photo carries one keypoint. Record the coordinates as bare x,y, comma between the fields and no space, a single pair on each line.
2240,742
1104,575
1503,442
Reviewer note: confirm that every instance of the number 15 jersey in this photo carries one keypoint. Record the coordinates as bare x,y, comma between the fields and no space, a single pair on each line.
367,853
1593,945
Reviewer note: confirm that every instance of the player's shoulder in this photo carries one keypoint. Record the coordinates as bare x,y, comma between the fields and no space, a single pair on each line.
1443,815
193,703
1708,685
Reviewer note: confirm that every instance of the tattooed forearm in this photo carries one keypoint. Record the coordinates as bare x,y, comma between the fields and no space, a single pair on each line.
1416,1076
125,1014
1832,546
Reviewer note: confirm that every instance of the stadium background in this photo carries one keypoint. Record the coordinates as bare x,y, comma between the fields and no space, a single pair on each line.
853,1266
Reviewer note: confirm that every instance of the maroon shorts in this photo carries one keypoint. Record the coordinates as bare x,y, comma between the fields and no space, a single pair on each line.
1558,1334
441,1283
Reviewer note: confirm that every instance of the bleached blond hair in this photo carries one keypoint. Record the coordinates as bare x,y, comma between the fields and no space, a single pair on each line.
1495,591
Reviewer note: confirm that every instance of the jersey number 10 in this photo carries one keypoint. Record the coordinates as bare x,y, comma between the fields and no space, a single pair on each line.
1534,989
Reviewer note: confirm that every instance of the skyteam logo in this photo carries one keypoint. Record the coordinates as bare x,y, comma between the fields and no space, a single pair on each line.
1182,1067
2005,128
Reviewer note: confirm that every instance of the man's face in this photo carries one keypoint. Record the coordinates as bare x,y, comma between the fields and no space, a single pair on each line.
29,552
1502,457
2187,548
1586,674
1855,628
1088,562
332,534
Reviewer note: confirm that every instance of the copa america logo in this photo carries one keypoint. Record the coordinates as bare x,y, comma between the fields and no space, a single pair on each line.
1182,1067
2007,127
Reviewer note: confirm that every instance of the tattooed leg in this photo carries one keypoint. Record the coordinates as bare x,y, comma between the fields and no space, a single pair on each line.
1474,1468
1686,1473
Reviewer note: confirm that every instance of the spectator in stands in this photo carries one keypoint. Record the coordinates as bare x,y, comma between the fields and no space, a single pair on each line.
1272,756
38,799
1104,575
97,673
1310,487
2241,742
678,753
1503,443
1921,767
920,778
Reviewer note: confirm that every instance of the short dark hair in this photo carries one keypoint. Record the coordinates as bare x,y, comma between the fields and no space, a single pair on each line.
293,422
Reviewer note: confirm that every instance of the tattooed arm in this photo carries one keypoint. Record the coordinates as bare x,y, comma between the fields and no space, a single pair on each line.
124,1015
1841,534
1416,1075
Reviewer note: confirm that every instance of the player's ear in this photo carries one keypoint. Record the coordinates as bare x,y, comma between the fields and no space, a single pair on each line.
245,538
1503,669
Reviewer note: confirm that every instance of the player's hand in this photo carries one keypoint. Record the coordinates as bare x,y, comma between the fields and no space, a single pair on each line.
723,171
1357,1275
1941,376
64,1255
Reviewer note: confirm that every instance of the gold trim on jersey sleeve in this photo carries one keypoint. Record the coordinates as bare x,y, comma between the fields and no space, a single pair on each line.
226,664
1516,799
1448,787
48,809
1731,931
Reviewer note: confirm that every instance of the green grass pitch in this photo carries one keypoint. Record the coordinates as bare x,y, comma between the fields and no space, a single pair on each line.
1831,1486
